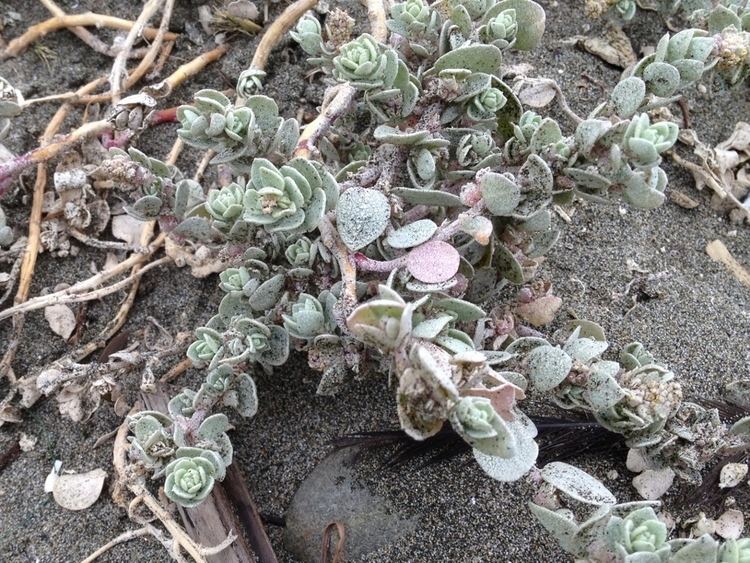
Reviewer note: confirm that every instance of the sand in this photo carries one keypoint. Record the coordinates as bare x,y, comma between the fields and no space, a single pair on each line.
695,317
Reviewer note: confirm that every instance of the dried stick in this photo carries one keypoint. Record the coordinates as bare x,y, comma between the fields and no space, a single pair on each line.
10,170
177,370
122,538
65,297
191,69
36,32
118,67
153,51
276,31
89,38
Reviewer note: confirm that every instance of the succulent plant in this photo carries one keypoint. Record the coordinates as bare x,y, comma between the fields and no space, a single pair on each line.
190,477
366,64
426,392
226,206
500,30
644,142
308,33
311,317
651,397
417,22
151,438
250,82
291,198
236,133
735,551
626,9
477,422
639,532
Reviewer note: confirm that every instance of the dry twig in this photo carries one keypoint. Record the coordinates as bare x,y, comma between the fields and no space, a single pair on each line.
118,67
89,38
36,32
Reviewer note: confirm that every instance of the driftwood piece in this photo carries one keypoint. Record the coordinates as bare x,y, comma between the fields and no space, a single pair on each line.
229,509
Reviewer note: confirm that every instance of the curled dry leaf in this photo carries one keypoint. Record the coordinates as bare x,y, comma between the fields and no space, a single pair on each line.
541,311
612,47
61,319
535,92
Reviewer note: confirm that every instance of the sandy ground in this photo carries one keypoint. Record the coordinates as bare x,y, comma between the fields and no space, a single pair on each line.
696,318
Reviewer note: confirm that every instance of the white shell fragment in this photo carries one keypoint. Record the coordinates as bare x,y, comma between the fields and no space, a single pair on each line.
732,474
75,491
730,524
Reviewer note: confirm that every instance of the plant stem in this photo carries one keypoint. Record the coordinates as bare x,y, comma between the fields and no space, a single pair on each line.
276,31
118,67
9,171
36,32
89,38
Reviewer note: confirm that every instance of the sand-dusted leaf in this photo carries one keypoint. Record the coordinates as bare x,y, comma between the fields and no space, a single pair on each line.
548,367
267,295
500,192
475,58
78,491
627,96
361,216
557,523
428,197
433,262
577,484
412,234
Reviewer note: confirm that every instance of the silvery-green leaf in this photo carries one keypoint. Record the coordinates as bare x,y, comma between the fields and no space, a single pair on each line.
507,265
500,193
577,484
427,197
421,287
195,229
556,523
267,295
462,310
476,58
147,206
628,96
412,234
278,351
602,391
690,70
738,393
662,79
247,396
701,550
361,216
548,367
234,304
721,18
535,175
584,350
213,427
393,136
587,329
741,427
430,328
546,134
530,18
525,454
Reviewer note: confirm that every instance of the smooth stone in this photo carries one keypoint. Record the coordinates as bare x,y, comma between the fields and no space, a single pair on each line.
333,493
